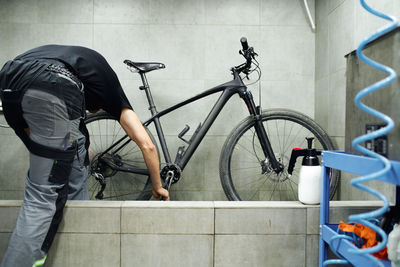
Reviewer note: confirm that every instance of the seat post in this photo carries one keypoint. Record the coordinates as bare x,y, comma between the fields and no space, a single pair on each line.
156,120
146,88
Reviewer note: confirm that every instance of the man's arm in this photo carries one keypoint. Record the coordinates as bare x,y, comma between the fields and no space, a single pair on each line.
135,130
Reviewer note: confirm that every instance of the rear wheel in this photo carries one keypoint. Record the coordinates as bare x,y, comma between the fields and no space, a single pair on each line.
104,181
245,172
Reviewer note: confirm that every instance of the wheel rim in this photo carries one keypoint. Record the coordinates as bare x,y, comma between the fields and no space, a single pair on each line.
119,185
245,162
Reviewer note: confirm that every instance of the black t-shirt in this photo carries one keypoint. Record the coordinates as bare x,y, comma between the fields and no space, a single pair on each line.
102,87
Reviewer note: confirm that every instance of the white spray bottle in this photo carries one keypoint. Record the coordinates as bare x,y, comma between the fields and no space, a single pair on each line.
309,187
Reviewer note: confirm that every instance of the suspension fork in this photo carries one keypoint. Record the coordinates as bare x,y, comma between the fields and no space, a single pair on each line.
261,133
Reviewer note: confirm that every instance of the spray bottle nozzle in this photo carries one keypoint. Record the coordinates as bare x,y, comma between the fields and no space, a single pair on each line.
310,155
309,142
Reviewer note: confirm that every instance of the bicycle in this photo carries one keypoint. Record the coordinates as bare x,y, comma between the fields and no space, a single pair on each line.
254,159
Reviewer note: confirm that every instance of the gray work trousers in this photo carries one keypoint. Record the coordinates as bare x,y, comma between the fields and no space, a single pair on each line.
50,124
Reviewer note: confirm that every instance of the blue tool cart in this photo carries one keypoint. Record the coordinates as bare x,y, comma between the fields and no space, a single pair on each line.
359,165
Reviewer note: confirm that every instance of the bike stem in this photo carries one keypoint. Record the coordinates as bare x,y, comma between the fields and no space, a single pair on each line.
261,133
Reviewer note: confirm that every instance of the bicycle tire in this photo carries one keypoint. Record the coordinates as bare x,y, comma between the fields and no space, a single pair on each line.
104,130
240,169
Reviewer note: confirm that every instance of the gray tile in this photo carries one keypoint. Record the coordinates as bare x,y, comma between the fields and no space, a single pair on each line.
337,103
322,102
193,176
214,146
185,50
85,250
313,220
341,35
21,37
366,23
121,11
322,11
322,45
259,205
58,11
333,4
5,130
260,221
12,194
4,238
340,210
14,163
222,12
285,12
341,214
288,53
108,42
221,45
339,142
4,37
198,195
66,34
345,189
396,9
296,95
177,12
260,250
9,215
24,11
171,250
348,192
80,219
312,250
167,221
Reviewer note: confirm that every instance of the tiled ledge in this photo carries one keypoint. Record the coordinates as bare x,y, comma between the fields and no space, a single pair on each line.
185,233
199,204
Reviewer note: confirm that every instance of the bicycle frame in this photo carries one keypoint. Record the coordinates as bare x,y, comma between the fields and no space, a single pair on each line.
228,89
236,86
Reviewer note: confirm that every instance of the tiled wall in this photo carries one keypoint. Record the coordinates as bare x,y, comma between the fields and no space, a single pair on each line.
341,26
198,40
189,234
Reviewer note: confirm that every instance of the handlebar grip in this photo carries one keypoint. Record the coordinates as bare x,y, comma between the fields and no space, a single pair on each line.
245,45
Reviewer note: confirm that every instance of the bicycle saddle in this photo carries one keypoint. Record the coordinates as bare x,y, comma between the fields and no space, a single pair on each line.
144,66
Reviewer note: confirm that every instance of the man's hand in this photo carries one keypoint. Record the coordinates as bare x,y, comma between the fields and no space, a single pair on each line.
161,192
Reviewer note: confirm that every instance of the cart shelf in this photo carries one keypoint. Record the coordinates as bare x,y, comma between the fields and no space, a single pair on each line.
359,165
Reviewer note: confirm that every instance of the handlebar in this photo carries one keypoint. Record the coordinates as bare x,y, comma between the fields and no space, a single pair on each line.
245,45
248,53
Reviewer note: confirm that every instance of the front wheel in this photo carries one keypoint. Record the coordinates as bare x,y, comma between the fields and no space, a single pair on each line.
104,181
242,162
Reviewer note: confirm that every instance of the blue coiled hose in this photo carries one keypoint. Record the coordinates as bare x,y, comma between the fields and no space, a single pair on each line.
364,218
